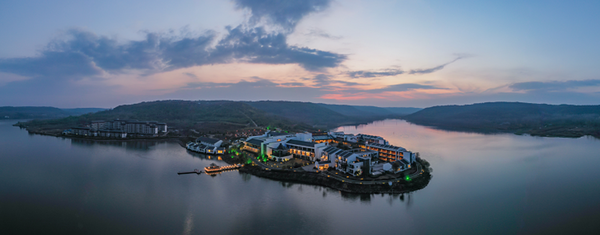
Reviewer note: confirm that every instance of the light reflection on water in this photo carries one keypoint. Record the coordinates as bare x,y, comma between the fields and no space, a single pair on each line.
482,184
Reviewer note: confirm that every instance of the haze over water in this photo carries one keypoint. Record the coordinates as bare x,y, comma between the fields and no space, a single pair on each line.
482,184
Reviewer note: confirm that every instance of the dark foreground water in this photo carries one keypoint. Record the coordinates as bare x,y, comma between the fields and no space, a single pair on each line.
482,184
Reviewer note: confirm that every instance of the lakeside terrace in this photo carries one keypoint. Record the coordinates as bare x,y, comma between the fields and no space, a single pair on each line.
355,155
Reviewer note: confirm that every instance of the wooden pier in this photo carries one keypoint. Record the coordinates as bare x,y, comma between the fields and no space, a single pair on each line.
196,171
214,169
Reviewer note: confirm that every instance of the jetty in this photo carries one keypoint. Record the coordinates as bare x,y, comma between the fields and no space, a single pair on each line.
196,171
214,169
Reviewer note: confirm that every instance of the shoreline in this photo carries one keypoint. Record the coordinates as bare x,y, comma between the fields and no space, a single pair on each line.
302,177
530,132
534,133
320,179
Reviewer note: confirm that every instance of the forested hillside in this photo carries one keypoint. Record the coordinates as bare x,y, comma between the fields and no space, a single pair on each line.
535,119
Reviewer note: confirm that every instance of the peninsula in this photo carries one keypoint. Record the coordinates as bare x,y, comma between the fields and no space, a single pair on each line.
349,163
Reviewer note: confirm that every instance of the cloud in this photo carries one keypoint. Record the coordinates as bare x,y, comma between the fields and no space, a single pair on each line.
321,33
83,53
372,74
434,69
255,82
51,63
284,13
255,45
553,85
394,72
322,80
298,84
191,75
403,87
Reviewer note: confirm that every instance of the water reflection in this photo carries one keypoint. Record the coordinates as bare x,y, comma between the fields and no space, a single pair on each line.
485,184
135,145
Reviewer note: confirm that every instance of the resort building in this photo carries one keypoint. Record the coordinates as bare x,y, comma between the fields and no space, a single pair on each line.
280,153
372,139
304,149
390,153
120,129
206,145
209,141
322,138
112,134
355,154
82,131
261,144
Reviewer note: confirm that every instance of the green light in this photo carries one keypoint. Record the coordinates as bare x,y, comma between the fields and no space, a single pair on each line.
407,178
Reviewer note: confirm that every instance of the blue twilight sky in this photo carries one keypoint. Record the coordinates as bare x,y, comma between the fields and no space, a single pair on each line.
386,53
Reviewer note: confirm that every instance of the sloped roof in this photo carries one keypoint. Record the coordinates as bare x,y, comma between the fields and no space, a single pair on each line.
344,154
301,143
256,142
207,140
281,147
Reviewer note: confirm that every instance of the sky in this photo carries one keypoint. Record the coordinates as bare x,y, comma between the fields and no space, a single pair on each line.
388,53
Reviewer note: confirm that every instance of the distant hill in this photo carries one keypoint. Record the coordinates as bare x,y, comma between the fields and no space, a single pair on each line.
32,112
9,112
328,115
178,114
213,116
368,111
515,117
80,111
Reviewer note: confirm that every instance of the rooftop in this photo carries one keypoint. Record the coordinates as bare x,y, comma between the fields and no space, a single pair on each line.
256,142
331,149
207,140
273,133
344,154
301,143
387,146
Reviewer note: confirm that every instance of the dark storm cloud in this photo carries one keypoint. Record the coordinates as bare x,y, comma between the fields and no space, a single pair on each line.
285,13
553,85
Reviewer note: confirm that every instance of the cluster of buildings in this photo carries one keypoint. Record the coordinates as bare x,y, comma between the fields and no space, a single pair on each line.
119,129
353,154
206,145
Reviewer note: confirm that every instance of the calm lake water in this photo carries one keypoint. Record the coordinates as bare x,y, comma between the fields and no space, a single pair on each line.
482,184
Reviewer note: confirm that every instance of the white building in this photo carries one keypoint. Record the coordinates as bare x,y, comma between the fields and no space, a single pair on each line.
304,149
206,145
372,139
